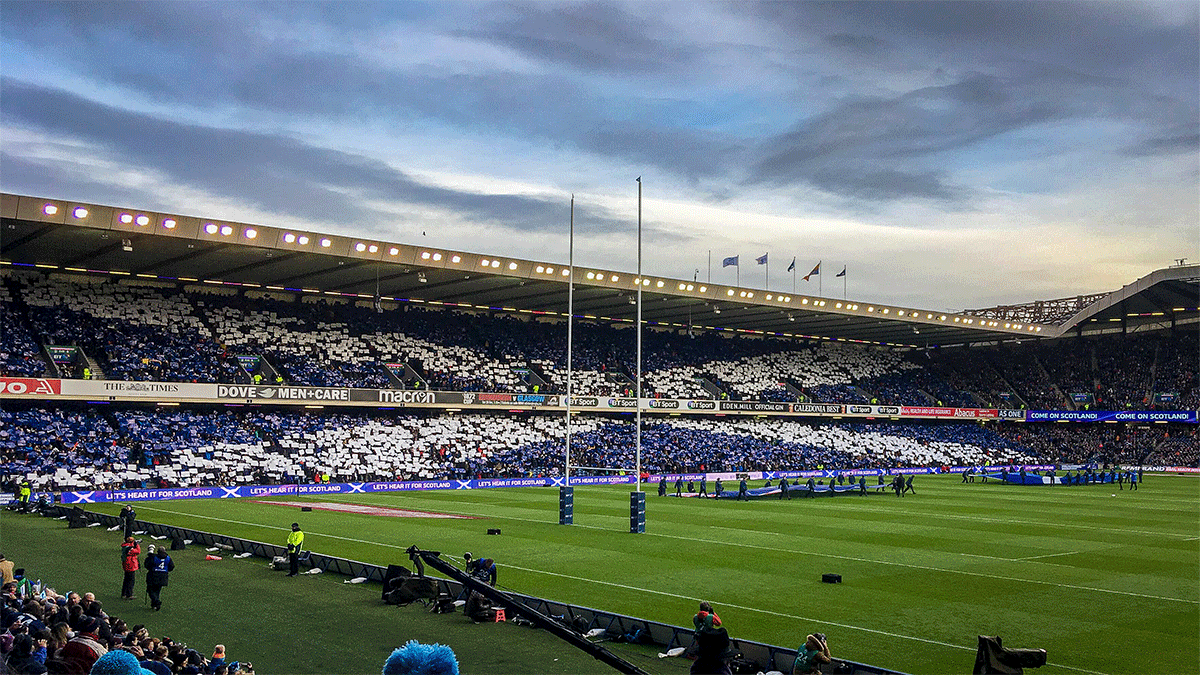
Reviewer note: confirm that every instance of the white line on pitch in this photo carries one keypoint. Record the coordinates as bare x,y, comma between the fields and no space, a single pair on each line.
1048,555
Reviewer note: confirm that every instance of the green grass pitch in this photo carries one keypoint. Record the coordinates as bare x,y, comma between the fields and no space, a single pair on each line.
1105,584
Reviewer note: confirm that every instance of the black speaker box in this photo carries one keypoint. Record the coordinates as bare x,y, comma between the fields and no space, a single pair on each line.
831,578
493,530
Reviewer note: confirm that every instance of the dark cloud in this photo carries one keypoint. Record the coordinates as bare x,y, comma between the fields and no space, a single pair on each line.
216,55
275,173
588,36
1169,145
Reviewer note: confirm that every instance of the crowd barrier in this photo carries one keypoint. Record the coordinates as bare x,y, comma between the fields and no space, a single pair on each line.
666,635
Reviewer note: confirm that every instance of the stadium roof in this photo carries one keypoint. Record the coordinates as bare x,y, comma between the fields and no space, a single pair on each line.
76,237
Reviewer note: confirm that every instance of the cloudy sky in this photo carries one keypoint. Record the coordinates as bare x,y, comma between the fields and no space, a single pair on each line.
951,154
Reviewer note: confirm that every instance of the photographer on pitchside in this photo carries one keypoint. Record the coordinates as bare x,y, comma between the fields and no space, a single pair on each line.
711,643
811,655
130,550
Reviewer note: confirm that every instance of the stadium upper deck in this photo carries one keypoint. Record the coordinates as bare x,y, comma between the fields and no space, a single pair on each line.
66,235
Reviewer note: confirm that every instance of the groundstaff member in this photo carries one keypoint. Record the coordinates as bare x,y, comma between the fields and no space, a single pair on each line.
294,541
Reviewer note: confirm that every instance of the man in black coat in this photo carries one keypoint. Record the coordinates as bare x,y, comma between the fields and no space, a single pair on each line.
127,517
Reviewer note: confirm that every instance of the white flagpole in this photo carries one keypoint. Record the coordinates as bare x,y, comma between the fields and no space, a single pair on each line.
570,323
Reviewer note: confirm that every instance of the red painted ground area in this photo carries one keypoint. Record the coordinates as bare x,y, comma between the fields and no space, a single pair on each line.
369,510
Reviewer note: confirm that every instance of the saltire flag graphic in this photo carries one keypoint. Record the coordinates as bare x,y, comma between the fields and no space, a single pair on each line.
733,260
761,260
842,273
816,270
792,266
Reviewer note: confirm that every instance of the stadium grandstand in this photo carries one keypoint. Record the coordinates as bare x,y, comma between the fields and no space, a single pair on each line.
146,351
95,295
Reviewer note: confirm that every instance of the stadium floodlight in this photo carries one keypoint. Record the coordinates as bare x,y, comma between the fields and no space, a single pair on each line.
250,233
372,249
682,286
729,292
484,262
424,255
704,289
750,294
804,301
566,272
142,220
512,265
456,259
50,209
660,284
437,257
326,243
393,251
303,240
591,275
549,270
126,218
360,247
169,223
80,212
226,230
210,228
691,287
289,238
541,269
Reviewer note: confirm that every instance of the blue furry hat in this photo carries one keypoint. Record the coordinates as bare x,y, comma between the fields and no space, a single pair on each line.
415,658
118,663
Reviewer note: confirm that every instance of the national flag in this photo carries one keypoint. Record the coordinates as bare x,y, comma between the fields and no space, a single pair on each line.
733,260
816,270
793,265
762,260
842,273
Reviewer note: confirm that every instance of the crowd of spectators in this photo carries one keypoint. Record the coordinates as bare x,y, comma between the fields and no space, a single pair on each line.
46,632
139,329
110,447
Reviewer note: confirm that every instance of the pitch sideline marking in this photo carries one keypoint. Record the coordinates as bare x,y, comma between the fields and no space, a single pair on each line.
1048,555
740,545
628,587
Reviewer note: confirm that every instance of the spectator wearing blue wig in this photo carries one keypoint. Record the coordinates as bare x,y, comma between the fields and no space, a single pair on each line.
415,658
118,663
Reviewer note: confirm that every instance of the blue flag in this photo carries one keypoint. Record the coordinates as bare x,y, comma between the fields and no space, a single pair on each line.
792,266
762,260
816,270
730,261
842,273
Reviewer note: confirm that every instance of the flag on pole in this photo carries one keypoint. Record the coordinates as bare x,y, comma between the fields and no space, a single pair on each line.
793,265
843,272
761,260
732,260
815,271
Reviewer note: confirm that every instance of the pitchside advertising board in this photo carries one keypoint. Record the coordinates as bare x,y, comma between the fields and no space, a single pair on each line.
261,491
119,390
